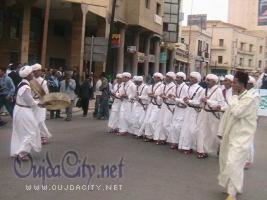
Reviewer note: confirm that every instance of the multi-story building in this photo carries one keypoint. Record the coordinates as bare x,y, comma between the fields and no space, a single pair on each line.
233,47
198,42
55,32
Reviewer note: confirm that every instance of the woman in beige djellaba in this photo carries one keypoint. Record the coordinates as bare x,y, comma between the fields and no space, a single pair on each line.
237,129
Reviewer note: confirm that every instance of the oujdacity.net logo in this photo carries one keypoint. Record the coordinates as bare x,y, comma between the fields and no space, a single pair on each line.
70,166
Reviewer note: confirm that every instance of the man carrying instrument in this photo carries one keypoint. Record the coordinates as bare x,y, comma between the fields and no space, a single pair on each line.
40,113
179,111
166,110
26,132
209,117
139,106
129,91
188,136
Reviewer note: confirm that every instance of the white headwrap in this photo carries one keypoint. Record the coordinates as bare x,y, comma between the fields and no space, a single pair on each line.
252,80
36,67
159,75
135,78
127,74
212,77
222,78
229,77
171,75
196,75
181,74
119,75
25,71
140,78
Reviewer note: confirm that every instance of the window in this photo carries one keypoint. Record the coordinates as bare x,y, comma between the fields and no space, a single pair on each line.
221,42
172,27
241,60
158,10
242,46
59,30
182,40
15,26
261,49
220,59
147,2
250,47
250,62
260,64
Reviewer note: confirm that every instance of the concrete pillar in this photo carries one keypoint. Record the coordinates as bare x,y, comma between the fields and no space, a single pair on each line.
172,59
147,52
120,58
164,65
25,39
78,34
157,55
135,57
44,43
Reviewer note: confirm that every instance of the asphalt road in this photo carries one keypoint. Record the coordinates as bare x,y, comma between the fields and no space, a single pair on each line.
121,168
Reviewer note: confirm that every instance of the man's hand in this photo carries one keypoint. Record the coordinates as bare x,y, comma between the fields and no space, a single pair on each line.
186,100
204,100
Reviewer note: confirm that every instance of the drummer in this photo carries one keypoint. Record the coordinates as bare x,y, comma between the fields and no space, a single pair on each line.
25,133
40,113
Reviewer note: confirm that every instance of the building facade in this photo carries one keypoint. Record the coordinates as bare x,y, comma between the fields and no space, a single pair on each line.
234,48
198,44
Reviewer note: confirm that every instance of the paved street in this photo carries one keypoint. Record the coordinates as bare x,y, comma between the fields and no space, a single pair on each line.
149,172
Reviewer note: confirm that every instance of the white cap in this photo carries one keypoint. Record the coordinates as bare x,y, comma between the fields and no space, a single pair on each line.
196,75
36,67
159,75
252,80
135,78
25,71
171,75
140,78
181,74
119,75
222,78
126,74
229,77
212,77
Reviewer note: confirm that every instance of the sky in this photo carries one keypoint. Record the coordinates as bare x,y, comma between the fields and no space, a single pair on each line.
215,9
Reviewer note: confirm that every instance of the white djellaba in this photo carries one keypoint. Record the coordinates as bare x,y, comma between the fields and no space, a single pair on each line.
26,132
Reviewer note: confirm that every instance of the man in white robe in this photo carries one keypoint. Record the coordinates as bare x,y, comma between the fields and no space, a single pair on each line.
166,110
208,120
139,106
26,133
151,118
237,129
117,92
179,111
129,91
255,93
40,113
188,136
227,90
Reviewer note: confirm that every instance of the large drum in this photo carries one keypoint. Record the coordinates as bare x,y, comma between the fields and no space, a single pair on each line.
37,88
56,101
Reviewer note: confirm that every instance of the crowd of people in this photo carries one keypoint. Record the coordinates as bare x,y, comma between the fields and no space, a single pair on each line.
219,118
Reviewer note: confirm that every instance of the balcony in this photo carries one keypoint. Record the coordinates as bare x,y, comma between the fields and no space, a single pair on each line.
244,52
224,65
219,48
158,19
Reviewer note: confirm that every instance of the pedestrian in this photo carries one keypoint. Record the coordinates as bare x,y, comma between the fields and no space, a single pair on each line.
14,75
97,94
103,112
179,111
208,120
86,90
26,133
40,112
68,86
262,81
188,136
237,129
7,91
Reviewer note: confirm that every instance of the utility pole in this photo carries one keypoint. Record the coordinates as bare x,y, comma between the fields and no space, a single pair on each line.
109,67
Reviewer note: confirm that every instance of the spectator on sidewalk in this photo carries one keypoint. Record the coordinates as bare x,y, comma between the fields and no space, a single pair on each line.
104,99
98,94
86,90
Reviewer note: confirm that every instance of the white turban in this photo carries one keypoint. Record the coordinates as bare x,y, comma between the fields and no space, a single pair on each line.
159,75
222,78
181,74
171,75
212,77
135,78
36,67
140,78
196,75
25,71
229,77
252,80
119,76
126,74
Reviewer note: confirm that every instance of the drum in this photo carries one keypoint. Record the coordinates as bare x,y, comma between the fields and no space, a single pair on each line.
37,88
56,101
